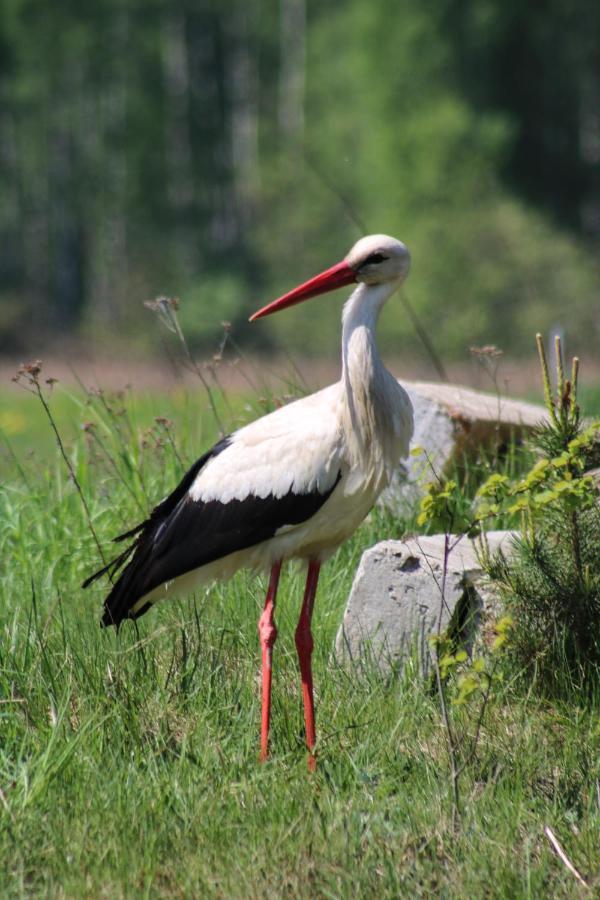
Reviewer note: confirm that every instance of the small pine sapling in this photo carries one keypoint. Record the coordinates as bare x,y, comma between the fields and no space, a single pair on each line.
551,582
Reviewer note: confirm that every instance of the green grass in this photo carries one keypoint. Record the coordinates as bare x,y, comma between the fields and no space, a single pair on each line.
128,763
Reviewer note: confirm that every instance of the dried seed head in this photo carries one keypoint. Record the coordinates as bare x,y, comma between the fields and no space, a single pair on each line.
488,351
31,370
162,302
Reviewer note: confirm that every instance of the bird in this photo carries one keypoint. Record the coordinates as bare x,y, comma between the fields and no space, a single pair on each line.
293,484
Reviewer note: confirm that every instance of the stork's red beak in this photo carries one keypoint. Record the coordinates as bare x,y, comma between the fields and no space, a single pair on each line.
335,277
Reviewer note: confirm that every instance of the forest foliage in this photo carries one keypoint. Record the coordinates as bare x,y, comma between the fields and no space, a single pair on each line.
219,152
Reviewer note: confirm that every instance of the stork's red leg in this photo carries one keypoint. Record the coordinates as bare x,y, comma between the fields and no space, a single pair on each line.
268,636
304,646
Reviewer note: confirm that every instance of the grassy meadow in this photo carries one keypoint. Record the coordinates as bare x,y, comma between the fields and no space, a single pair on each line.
128,762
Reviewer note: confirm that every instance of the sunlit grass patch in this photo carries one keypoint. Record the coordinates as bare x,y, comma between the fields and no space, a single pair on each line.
128,762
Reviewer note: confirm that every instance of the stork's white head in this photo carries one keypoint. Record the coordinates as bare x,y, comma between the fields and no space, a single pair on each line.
376,259
379,259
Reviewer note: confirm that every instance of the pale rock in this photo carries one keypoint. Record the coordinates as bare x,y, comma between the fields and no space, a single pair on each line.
452,422
402,594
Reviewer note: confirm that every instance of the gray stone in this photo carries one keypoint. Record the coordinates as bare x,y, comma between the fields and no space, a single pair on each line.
452,422
401,596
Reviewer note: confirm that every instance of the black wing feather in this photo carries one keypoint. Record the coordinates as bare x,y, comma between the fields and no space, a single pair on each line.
182,534
159,513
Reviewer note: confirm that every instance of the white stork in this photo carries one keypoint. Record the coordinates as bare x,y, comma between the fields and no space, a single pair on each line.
294,484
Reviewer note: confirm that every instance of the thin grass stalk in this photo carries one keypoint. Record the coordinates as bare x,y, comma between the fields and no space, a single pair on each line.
116,425
167,309
121,477
37,390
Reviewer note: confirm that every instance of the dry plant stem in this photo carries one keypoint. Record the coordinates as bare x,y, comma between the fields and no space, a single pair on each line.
577,546
243,371
344,201
300,384
358,221
42,399
451,738
166,307
110,414
117,426
475,740
196,368
488,358
563,856
424,338
212,368
451,744
117,472
173,446
99,395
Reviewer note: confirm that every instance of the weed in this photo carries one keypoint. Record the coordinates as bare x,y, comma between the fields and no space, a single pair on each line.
551,583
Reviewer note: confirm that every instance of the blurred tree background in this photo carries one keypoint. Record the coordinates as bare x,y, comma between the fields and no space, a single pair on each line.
220,151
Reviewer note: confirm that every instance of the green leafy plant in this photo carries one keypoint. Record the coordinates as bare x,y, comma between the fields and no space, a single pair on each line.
470,676
551,582
463,679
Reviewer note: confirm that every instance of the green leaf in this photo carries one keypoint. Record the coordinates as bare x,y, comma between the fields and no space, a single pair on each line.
504,624
545,497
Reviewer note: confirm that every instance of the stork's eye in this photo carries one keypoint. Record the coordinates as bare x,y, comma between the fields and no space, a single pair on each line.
375,258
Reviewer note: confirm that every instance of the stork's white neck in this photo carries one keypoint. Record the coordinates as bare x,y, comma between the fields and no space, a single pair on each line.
362,311
366,383
360,356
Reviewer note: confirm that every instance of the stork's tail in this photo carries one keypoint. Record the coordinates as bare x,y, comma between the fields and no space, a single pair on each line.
119,603
134,563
